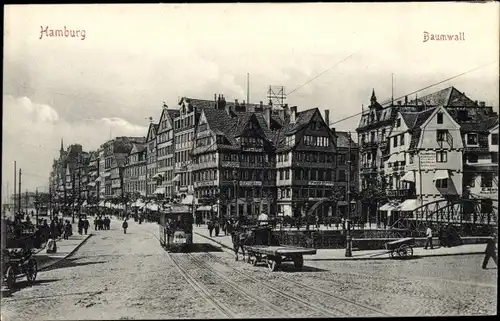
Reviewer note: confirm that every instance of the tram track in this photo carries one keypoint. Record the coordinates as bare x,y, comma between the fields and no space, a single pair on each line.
361,309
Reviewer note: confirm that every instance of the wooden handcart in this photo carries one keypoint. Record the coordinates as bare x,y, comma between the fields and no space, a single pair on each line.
268,250
402,248
273,256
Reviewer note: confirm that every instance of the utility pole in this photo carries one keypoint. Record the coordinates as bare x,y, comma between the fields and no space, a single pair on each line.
19,199
348,248
50,202
26,200
248,88
36,206
73,198
15,184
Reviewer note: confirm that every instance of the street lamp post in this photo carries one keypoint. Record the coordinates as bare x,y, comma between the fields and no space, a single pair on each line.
348,248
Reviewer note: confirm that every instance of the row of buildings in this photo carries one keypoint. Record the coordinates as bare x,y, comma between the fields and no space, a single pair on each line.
442,146
239,158
225,157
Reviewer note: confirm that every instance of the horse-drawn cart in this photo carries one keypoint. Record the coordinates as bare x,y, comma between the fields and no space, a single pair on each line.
18,261
401,248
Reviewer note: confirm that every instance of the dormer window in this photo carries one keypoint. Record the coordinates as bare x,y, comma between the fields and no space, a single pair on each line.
472,139
398,122
439,118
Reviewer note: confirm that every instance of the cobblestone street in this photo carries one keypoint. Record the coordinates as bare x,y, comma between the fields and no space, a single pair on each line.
119,276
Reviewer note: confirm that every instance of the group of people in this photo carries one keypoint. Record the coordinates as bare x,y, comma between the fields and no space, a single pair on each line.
448,236
83,225
216,225
101,223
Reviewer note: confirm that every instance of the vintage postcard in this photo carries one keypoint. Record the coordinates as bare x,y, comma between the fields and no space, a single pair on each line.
219,161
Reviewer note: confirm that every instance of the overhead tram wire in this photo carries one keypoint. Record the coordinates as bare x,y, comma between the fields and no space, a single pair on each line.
414,92
322,73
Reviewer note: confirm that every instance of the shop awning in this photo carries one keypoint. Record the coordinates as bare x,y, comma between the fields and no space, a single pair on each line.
158,176
176,178
409,205
409,177
159,190
101,203
388,207
138,203
99,179
84,203
152,206
91,184
393,158
187,200
106,174
441,174
204,208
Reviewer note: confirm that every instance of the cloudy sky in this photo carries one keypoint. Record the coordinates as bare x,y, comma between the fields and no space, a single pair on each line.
134,57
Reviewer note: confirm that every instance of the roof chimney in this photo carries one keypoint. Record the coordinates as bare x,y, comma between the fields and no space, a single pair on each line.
399,102
267,116
327,117
406,100
227,108
286,109
482,104
293,114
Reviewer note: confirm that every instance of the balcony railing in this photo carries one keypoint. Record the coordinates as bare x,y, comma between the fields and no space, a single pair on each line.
369,145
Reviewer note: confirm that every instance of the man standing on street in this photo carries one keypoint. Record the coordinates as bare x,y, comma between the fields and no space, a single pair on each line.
490,252
429,238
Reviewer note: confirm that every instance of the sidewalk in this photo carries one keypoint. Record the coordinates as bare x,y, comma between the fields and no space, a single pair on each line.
339,254
65,248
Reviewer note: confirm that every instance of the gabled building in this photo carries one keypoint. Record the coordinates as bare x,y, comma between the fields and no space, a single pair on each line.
305,162
153,178
165,151
424,162
343,141
134,178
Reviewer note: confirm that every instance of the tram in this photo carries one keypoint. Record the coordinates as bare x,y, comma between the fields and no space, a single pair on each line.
176,228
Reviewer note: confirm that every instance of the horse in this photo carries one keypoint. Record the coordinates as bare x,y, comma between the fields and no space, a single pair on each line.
240,238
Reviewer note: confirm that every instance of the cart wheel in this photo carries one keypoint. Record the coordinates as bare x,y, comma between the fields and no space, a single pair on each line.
248,258
298,261
10,277
31,271
392,254
254,260
405,251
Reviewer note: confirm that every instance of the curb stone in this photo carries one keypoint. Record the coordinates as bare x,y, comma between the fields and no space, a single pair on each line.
366,258
67,255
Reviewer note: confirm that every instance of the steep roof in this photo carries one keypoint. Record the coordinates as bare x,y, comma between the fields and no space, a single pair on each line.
418,120
447,97
343,140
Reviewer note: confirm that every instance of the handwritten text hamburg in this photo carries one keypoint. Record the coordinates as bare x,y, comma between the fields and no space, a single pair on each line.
444,37
61,33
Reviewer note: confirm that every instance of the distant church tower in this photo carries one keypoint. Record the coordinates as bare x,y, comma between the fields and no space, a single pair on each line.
61,151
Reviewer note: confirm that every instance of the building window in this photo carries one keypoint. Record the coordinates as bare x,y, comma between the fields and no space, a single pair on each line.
395,141
402,139
441,157
342,176
486,180
440,118
382,138
494,157
398,123
486,206
441,135
494,139
472,158
472,139
442,183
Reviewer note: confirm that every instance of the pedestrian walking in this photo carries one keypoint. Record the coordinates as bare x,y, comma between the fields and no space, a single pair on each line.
68,230
443,237
317,221
428,241
125,226
80,226
490,253
95,223
217,228
210,227
86,225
